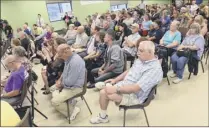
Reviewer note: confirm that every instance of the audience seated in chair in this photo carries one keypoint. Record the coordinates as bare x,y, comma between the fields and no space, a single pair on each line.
193,42
172,38
129,45
96,58
53,70
156,34
89,49
113,61
124,32
81,40
71,82
133,86
13,85
71,34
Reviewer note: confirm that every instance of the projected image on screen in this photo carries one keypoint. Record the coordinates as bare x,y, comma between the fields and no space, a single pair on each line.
56,10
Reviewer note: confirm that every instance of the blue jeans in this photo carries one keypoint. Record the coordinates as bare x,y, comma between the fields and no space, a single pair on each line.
178,64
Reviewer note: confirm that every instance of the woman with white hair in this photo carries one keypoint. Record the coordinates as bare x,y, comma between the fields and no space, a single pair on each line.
192,47
201,21
21,53
172,38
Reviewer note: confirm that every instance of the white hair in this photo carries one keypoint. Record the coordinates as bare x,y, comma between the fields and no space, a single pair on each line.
148,46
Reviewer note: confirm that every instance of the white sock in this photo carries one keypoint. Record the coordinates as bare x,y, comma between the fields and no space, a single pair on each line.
103,113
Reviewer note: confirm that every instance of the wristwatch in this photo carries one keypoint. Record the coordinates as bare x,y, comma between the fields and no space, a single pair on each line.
118,90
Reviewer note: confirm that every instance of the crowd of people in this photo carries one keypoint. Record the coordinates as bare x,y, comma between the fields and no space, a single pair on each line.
101,47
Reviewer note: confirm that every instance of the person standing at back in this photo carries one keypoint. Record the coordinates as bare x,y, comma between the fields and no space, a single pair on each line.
40,21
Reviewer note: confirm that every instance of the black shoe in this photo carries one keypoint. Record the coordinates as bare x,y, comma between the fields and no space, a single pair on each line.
46,93
91,86
43,89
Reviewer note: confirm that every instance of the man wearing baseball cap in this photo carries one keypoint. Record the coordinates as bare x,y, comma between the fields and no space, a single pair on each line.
129,44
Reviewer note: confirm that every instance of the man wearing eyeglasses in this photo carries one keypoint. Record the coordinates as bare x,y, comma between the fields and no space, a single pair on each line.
13,85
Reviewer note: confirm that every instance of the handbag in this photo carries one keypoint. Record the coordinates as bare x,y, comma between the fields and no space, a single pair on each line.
184,52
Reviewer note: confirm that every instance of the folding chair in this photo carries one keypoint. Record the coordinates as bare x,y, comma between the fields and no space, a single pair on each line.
139,106
79,95
203,70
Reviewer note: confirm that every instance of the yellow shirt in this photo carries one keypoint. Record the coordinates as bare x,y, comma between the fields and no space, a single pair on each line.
38,31
9,117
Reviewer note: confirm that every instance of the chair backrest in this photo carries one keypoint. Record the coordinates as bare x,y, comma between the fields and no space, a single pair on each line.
23,93
85,84
25,122
125,62
150,96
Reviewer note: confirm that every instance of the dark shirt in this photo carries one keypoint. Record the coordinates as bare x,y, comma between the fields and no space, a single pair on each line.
77,23
101,47
27,32
54,70
158,34
8,31
25,43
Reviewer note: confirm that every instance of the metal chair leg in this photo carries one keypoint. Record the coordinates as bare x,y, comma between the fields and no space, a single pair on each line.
189,75
146,117
36,101
124,118
202,66
68,112
82,97
35,90
168,81
207,58
28,99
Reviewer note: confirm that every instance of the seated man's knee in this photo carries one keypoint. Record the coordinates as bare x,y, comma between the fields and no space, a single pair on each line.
103,92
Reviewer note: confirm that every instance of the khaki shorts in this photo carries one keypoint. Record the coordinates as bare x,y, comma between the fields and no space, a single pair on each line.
129,100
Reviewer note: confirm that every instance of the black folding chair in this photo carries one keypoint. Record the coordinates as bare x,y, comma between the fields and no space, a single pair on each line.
78,95
139,106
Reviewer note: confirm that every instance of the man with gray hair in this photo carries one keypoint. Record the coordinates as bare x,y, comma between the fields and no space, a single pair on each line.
13,85
134,85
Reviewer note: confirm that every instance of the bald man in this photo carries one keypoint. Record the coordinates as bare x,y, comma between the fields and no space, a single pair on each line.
15,81
134,85
71,82
81,38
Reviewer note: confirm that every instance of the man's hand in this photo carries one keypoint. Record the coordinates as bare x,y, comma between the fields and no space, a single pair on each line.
58,84
111,81
110,90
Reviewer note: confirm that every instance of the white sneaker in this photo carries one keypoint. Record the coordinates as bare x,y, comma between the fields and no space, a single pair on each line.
99,119
173,75
176,81
75,113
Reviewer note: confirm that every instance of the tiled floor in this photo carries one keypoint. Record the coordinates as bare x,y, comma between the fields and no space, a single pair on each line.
185,104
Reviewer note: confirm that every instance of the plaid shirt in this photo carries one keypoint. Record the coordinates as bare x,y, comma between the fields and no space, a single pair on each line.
146,74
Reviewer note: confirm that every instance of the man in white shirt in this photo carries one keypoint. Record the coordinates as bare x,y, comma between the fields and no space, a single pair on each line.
40,21
81,40
129,45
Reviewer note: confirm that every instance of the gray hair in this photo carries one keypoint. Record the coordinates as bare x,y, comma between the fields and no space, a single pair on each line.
19,51
195,28
148,46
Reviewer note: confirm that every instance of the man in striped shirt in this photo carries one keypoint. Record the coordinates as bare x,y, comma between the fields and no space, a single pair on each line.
133,86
